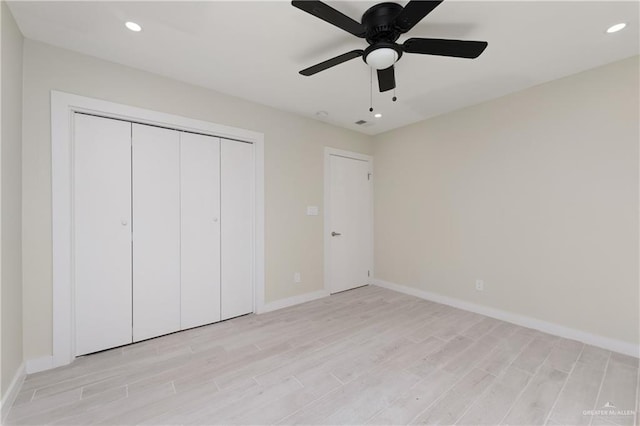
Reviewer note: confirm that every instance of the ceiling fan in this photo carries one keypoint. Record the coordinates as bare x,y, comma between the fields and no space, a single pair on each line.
381,26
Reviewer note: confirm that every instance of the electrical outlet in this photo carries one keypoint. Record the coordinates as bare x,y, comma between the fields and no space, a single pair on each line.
296,277
479,285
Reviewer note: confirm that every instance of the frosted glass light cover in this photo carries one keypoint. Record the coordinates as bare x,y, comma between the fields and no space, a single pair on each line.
382,58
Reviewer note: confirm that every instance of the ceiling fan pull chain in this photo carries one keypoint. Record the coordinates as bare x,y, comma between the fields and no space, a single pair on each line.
394,95
371,90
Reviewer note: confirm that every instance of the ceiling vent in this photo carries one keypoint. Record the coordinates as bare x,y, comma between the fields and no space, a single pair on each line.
364,123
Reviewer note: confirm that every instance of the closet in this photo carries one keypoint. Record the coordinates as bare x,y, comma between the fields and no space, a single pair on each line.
163,231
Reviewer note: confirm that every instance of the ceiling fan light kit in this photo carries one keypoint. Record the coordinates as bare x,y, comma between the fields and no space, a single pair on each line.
381,25
381,57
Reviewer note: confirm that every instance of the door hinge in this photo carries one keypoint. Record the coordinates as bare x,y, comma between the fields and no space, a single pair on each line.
368,176
368,273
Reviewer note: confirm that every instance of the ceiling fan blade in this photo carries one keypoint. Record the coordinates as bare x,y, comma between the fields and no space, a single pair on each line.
332,62
330,15
413,13
386,79
440,47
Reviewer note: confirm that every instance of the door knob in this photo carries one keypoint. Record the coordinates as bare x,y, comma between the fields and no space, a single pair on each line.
123,222
335,234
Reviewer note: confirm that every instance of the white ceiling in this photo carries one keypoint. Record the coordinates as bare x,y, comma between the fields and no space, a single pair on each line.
254,50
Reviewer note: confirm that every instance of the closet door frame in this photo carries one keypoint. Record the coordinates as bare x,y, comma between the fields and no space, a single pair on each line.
63,108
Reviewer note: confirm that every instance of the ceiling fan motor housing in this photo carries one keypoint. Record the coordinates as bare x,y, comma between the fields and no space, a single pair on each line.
379,23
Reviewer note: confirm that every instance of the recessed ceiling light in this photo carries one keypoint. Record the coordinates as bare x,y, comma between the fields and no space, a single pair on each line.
377,115
615,28
133,26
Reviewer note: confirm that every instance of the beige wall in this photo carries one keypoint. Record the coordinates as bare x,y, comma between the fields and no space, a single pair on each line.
293,169
11,199
536,193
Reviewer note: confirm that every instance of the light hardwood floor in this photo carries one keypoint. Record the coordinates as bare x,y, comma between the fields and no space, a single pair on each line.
366,356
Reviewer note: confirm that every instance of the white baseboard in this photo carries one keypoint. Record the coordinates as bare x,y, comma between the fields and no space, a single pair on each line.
291,301
12,392
614,345
39,364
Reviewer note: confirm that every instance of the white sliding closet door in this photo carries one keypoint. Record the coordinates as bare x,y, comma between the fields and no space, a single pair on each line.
156,231
237,227
200,240
102,233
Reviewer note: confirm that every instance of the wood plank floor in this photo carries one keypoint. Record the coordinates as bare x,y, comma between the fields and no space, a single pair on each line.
366,356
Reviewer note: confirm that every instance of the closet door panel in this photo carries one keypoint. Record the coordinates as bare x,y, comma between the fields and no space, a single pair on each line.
156,231
200,236
237,176
102,233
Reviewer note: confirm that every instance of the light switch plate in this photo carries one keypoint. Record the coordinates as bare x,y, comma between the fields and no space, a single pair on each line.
312,210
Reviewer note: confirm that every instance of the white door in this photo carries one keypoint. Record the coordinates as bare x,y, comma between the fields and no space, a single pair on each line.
200,236
156,231
102,233
236,159
349,212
